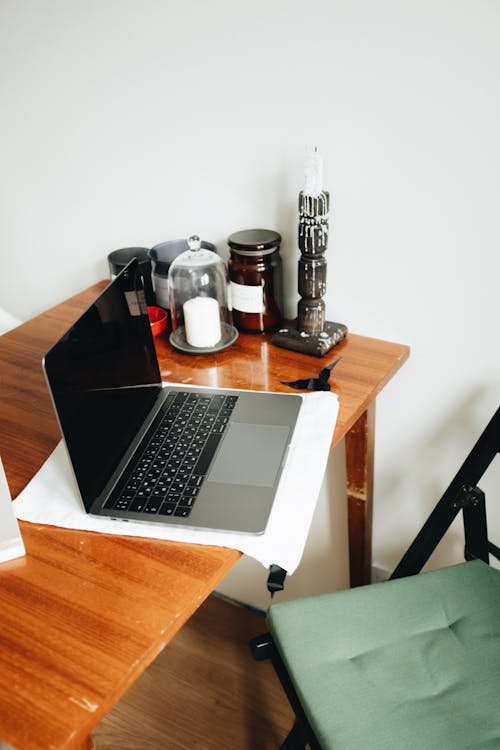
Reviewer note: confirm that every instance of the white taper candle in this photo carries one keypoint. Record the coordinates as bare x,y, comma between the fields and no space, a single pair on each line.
313,174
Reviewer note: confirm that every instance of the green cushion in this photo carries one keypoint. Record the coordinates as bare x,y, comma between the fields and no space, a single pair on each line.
411,663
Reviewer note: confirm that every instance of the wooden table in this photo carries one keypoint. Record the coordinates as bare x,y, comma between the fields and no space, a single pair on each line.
83,614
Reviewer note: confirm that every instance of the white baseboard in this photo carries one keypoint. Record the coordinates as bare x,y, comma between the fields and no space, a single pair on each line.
379,574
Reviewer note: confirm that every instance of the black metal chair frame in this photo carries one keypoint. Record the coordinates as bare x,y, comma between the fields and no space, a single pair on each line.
464,495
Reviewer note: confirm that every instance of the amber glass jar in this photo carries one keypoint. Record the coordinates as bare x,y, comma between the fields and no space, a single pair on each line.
256,280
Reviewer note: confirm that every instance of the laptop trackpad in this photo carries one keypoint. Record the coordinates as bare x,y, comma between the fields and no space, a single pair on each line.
250,454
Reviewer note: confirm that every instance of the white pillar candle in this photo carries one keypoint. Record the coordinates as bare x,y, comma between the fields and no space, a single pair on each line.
202,321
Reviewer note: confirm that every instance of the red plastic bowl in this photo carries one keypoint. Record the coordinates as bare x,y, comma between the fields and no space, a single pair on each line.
158,320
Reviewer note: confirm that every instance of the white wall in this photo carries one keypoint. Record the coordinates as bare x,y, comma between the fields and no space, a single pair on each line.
130,123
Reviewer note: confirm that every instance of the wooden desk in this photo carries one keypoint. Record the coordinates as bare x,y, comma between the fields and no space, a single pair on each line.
83,614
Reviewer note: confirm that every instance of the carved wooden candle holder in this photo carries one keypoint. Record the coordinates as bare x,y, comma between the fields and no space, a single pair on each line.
309,332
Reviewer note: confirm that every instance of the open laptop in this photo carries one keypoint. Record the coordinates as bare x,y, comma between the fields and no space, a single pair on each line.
202,458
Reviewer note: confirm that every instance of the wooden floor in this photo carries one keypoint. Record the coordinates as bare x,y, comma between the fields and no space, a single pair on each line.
203,692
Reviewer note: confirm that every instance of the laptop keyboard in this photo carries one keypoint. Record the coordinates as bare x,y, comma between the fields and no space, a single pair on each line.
167,477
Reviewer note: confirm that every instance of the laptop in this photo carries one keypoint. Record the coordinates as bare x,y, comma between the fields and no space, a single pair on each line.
178,455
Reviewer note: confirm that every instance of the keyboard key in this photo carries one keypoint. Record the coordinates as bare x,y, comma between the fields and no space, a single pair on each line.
159,463
173,497
152,507
159,493
190,491
186,502
182,512
121,504
216,403
180,398
167,509
138,505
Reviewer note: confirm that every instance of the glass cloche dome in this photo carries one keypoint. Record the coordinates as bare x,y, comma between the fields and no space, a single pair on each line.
198,299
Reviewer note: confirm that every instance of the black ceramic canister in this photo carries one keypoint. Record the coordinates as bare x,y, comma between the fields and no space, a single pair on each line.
118,259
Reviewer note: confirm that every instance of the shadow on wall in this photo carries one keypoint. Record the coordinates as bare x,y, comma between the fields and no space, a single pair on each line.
432,464
287,215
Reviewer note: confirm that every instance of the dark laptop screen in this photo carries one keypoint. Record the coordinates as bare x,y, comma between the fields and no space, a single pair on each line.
104,378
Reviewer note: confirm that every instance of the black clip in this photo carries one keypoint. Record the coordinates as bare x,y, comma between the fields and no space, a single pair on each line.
276,579
315,384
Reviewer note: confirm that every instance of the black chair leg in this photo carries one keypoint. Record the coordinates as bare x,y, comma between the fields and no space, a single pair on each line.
302,735
295,740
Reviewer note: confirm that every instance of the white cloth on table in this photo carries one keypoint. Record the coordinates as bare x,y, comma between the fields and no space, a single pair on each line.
51,497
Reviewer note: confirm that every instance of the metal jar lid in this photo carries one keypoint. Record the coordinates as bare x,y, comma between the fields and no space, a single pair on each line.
254,241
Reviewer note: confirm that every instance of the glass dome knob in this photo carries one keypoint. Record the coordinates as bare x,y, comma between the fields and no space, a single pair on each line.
194,242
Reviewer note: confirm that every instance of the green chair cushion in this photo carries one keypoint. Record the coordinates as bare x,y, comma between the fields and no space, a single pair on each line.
410,663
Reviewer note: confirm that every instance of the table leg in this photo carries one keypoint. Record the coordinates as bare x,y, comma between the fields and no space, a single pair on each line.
359,451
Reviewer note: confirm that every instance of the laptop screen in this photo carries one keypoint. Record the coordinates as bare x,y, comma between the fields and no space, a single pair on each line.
104,378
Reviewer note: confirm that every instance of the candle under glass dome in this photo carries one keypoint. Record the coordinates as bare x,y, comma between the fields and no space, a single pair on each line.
198,299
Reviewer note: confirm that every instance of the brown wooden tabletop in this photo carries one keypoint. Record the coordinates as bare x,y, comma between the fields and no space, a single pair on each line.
83,614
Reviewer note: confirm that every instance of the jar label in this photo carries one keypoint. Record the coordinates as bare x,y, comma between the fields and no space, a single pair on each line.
249,299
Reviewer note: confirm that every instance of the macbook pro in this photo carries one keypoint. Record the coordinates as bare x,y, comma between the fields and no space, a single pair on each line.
195,457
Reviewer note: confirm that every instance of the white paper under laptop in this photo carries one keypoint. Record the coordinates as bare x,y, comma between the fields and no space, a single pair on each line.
144,453
11,542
